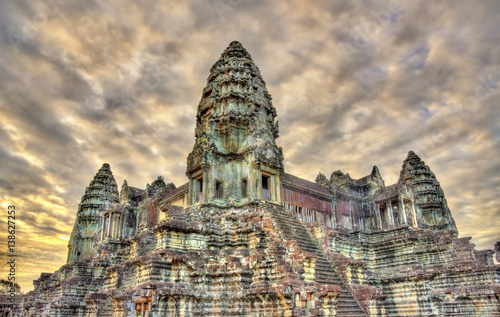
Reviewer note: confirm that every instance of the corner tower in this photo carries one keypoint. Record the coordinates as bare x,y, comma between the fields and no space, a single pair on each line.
235,159
100,195
431,208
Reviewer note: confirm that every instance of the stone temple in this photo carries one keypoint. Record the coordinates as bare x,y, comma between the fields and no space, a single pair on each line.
244,238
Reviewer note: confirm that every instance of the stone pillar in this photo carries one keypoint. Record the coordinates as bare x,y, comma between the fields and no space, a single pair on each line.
334,214
272,187
378,219
388,205
402,210
191,192
206,185
351,216
415,223
211,180
122,224
116,225
113,229
103,228
110,225
258,176
277,186
250,182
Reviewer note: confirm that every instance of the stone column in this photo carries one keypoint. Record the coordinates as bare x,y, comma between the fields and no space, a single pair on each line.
250,182
378,219
415,223
272,187
334,214
113,229
110,225
402,211
192,192
206,185
122,224
116,225
388,205
258,176
351,217
103,228
277,186
212,176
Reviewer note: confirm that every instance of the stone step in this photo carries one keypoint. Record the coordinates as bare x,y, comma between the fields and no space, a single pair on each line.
290,228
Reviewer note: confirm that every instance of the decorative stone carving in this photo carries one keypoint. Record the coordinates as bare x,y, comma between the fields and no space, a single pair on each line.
100,195
235,135
243,238
430,204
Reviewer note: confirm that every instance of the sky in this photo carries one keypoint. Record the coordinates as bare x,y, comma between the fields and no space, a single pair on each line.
355,84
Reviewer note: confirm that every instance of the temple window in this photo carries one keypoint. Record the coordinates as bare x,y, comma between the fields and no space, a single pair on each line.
244,189
218,190
383,218
266,192
198,189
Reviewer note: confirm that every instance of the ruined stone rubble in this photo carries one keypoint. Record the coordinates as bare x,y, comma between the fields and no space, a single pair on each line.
244,238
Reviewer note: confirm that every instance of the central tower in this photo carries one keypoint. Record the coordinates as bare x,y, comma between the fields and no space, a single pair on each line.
235,159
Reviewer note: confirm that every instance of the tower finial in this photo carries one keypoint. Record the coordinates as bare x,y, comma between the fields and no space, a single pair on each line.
235,49
376,173
235,43
412,155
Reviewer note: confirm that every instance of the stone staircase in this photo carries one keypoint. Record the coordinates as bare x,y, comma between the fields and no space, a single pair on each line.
290,228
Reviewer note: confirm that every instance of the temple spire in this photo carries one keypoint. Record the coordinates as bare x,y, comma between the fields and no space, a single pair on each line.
430,203
100,195
235,134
